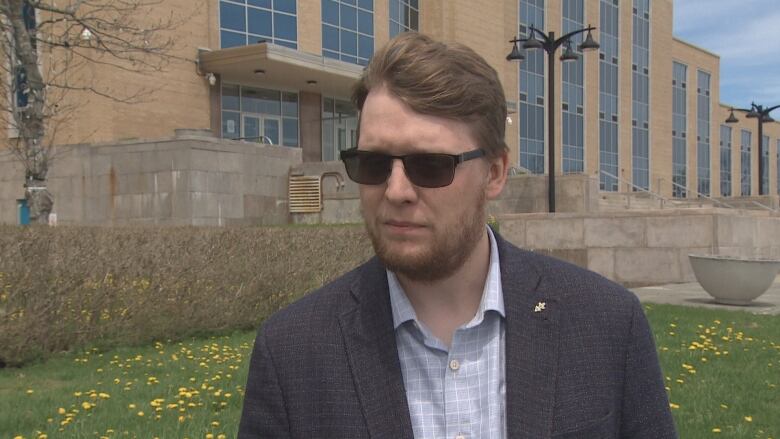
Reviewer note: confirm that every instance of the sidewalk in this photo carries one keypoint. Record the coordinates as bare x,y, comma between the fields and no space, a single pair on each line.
692,294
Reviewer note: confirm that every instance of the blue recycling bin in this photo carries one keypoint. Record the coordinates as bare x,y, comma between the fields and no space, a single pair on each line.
24,212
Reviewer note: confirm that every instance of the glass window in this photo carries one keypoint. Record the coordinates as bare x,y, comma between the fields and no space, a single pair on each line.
285,27
260,22
250,21
285,6
531,110
272,113
232,16
403,16
348,30
572,96
608,96
339,127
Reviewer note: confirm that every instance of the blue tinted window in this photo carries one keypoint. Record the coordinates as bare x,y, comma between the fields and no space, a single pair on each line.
272,21
348,17
260,22
232,39
348,30
290,132
262,3
285,6
330,12
348,42
285,27
230,100
365,47
365,22
330,38
232,16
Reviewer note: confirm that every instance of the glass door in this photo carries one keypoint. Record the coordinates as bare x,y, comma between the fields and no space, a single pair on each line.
271,130
251,128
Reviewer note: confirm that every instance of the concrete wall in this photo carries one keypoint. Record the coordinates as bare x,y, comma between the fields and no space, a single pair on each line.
645,248
189,179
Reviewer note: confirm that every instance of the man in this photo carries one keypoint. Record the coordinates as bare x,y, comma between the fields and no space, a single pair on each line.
450,331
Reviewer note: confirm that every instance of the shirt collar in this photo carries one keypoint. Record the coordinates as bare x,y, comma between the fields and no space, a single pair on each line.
492,293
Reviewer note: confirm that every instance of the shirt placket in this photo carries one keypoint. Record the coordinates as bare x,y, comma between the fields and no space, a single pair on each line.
455,389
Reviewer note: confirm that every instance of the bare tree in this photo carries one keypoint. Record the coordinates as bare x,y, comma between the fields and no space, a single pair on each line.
48,46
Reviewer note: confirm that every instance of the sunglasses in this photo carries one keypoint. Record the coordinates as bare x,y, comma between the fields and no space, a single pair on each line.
429,170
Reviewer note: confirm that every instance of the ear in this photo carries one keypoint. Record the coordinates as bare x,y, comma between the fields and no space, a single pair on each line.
497,174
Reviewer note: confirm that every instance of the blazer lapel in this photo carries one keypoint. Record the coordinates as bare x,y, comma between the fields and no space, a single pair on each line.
369,338
531,345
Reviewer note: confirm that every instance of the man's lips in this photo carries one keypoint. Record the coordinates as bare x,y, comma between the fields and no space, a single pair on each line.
402,224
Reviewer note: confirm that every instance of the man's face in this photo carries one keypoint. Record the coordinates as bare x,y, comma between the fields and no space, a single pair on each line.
422,233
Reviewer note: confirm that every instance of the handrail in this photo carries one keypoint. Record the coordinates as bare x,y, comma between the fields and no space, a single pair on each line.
519,170
763,206
641,189
700,195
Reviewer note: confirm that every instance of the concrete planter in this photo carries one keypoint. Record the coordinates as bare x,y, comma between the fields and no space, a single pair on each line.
734,281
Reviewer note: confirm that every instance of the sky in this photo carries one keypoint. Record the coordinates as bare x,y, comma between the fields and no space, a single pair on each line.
746,35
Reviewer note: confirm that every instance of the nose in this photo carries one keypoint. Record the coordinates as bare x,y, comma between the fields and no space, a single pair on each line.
399,189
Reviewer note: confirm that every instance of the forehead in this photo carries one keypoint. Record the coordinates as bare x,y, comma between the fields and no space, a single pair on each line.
387,123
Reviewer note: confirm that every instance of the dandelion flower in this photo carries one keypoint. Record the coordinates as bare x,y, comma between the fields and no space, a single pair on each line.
716,430
674,406
748,419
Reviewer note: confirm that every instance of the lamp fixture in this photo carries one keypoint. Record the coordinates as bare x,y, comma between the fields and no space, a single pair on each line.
732,118
568,53
589,42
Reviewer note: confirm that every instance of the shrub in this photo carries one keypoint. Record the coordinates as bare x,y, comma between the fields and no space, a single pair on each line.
65,288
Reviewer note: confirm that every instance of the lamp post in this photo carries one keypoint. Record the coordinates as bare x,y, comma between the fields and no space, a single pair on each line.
549,44
762,114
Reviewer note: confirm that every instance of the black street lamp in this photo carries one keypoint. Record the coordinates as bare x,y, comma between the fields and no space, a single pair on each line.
550,45
762,114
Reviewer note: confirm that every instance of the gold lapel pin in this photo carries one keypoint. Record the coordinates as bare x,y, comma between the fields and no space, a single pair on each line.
540,307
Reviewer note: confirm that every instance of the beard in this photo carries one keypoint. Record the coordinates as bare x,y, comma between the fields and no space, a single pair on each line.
451,246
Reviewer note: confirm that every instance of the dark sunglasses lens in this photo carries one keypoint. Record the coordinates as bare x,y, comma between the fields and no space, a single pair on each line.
430,170
368,167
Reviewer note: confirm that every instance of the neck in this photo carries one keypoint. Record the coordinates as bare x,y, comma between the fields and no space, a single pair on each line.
448,303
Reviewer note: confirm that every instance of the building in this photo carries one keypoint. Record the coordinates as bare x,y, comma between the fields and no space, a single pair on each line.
641,112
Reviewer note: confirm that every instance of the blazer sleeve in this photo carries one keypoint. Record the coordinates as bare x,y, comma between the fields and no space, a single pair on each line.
646,412
264,414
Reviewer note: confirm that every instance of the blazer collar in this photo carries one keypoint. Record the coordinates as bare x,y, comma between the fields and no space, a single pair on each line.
531,344
369,337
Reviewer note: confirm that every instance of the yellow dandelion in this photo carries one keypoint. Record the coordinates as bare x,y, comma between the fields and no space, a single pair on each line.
104,395
30,391
215,424
748,419
181,418
61,410
724,406
140,413
131,406
86,406
42,436
673,405
716,430
209,436
221,436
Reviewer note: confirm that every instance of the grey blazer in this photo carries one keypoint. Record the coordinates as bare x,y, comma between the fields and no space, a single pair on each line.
585,367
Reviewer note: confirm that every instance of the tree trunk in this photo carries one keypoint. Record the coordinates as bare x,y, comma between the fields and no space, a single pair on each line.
39,201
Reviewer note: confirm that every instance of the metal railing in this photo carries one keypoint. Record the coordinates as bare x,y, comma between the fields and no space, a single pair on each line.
660,197
695,192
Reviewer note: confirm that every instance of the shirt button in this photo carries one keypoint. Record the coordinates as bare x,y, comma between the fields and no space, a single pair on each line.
455,365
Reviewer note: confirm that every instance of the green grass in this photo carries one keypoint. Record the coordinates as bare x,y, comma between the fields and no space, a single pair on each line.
168,390
722,370
735,389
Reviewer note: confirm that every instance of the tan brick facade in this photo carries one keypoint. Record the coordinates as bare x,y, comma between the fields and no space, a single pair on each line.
184,99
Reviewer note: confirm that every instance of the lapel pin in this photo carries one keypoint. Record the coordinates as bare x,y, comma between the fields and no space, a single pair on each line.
540,307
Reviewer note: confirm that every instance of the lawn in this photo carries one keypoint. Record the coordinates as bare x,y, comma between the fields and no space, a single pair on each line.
721,368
